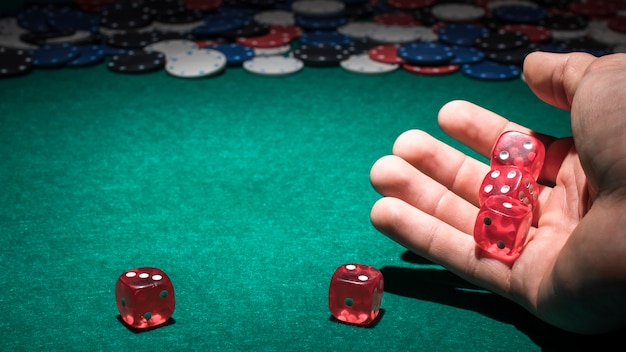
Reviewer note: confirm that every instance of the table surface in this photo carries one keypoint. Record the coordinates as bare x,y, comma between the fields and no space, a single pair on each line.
248,192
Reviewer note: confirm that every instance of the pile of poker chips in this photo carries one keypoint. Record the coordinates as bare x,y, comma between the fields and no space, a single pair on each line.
484,39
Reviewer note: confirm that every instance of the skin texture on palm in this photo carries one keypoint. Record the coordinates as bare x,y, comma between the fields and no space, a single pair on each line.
572,272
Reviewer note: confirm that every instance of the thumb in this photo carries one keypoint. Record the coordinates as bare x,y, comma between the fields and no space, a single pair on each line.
554,77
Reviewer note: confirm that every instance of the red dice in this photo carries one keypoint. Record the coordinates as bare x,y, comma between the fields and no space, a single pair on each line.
508,195
145,297
502,226
355,293
520,150
509,181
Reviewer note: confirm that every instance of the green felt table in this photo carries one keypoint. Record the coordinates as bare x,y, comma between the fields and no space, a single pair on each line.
248,191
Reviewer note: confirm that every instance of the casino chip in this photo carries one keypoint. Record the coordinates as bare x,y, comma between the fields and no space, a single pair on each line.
273,65
68,18
279,17
126,16
215,25
411,4
431,70
14,62
88,55
172,46
501,40
512,57
279,50
564,22
322,55
320,23
520,14
457,12
386,54
617,23
357,30
175,13
293,32
133,40
425,53
395,19
196,63
461,33
246,30
536,34
54,55
236,54
396,34
137,61
491,71
362,63
318,8
269,40
466,55
324,37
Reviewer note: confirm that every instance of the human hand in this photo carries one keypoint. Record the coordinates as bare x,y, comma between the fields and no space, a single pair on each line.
572,271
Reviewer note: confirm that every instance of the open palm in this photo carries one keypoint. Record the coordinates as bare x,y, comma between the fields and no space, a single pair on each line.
572,272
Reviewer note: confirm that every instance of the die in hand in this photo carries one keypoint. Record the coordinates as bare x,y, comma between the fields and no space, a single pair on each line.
355,293
502,225
520,150
145,297
511,182
508,195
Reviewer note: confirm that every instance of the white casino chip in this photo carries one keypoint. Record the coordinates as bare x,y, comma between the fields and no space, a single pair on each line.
275,17
196,63
358,30
362,63
273,65
494,4
315,8
396,34
457,12
279,50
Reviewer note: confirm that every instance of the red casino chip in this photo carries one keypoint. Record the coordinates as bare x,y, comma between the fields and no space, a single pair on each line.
293,32
410,4
617,23
595,9
270,40
202,5
536,34
395,19
431,70
387,54
92,5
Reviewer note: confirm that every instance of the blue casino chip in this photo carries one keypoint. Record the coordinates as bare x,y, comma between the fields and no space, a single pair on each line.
324,37
34,19
74,19
425,53
54,55
88,55
520,14
466,55
491,71
236,54
464,34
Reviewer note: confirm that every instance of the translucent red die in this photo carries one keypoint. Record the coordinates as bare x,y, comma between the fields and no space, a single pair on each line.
502,226
145,297
355,293
521,150
509,181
